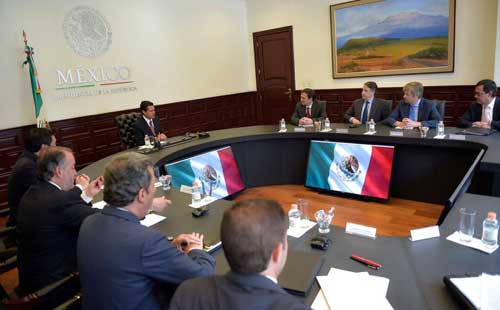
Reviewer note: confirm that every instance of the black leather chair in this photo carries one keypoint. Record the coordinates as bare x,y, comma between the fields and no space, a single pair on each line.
125,124
440,105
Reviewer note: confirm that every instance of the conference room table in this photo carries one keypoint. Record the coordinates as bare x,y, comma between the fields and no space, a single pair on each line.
415,269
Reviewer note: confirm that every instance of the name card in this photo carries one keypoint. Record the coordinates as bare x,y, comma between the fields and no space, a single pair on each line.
299,129
456,137
341,130
361,230
394,133
439,137
370,133
424,233
282,130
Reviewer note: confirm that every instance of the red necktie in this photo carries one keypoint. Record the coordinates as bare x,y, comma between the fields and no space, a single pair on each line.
308,112
152,127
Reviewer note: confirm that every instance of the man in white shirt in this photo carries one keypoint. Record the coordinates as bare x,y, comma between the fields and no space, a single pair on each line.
485,111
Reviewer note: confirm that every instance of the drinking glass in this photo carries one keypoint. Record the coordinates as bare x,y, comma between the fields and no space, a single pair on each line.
303,206
165,181
324,219
467,221
423,131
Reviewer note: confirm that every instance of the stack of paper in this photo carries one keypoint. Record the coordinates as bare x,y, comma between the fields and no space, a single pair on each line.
481,291
341,289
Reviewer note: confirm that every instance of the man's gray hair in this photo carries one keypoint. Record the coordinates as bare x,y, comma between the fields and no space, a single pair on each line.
415,88
51,158
124,177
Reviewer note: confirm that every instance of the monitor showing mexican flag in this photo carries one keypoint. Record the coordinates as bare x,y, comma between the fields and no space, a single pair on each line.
359,169
216,173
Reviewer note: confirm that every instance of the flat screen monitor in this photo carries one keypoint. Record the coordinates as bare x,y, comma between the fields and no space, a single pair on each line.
350,168
216,172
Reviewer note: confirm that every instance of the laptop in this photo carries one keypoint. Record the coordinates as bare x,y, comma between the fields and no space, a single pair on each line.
477,131
300,271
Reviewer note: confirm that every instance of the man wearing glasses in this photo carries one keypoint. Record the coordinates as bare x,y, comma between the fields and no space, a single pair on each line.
485,112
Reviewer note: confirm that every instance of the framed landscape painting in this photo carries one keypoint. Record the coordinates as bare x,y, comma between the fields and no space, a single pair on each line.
390,37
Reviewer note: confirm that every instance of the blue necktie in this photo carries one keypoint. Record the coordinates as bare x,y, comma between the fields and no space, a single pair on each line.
413,112
364,114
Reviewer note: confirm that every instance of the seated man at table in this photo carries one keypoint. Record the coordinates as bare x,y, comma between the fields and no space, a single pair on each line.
485,111
50,214
413,110
148,124
254,239
123,264
368,107
308,110
23,174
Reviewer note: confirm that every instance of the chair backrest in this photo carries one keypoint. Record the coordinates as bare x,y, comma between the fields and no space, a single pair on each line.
322,103
440,105
125,124
388,103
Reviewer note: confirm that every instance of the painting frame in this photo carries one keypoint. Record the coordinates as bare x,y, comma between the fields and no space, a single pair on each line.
348,60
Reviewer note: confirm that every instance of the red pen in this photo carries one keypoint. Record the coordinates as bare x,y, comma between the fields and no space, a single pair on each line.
365,261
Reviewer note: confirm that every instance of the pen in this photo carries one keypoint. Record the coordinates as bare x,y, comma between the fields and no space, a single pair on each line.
365,261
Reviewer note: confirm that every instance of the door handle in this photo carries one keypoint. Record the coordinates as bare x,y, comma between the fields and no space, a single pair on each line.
289,93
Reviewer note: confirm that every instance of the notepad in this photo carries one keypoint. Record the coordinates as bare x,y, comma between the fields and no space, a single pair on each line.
477,292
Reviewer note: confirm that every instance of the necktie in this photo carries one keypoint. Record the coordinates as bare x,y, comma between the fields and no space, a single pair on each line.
413,113
484,116
308,112
364,113
152,127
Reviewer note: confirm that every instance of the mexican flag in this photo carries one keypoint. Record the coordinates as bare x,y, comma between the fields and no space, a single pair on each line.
360,169
35,83
216,173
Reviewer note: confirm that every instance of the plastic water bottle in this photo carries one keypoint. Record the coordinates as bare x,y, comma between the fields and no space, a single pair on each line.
294,216
195,193
327,123
371,126
490,230
282,124
147,142
440,128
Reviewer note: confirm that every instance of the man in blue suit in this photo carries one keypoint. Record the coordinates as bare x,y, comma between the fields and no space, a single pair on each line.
124,265
254,238
414,111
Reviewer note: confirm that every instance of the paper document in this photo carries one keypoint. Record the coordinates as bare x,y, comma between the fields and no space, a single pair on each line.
481,291
204,201
301,228
152,219
474,243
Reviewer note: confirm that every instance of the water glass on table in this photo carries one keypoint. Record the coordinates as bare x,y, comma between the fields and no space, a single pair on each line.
165,181
324,219
303,206
467,222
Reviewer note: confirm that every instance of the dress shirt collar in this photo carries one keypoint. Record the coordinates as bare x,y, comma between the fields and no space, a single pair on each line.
58,187
416,104
271,278
148,120
492,103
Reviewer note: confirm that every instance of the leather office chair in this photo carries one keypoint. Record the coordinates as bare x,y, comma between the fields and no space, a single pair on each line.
440,105
125,124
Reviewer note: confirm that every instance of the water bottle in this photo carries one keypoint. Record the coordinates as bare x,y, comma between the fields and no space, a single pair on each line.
371,126
490,230
294,216
440,128
282,124
195,193
327,123
147,142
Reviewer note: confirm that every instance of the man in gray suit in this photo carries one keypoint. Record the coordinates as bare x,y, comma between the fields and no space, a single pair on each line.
367,108
308,110
254,238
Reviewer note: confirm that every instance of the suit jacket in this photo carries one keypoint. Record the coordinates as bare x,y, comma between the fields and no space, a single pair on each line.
124,265
47,231
23,175
379,110
427,113
474,113
141,129
318,111
233,291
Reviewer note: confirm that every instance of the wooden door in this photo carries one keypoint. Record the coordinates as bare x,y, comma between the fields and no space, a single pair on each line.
274,70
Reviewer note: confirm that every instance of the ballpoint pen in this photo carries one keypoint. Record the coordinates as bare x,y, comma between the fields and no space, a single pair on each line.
365,261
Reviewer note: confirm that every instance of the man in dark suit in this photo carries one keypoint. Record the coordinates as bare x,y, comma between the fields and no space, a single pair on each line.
367,108
148,124
124,265
414,111
23,175
308,110
254,238
50,214
485,112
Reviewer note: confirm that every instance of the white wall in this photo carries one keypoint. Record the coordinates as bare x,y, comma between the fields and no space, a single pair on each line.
176,50
476,24
497,50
